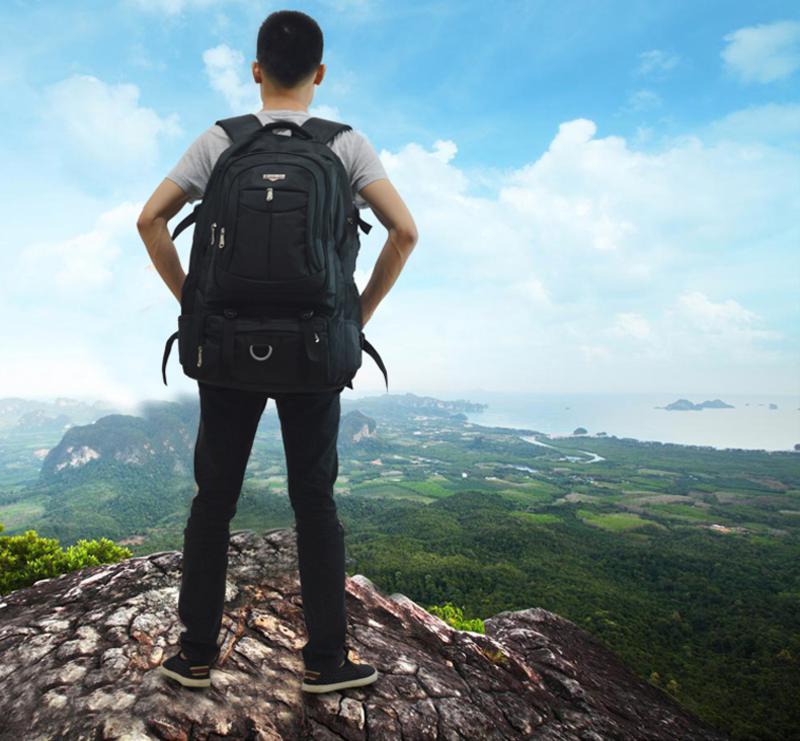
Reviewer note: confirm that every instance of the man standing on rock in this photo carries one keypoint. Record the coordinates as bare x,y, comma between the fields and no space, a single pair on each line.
288,66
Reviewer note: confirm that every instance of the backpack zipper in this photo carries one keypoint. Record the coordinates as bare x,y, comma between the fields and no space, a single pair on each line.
269,194
199,355
213,229
222,237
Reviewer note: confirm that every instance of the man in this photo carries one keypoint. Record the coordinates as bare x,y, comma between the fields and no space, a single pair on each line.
288,66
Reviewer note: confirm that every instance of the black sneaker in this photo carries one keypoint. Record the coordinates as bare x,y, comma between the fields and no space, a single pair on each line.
179,668
347,674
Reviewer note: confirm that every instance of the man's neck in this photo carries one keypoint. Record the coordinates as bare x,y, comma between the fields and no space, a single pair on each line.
283,105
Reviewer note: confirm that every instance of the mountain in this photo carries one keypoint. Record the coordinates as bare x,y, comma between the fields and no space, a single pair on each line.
356,428
683,405
427,405
78,658
162,439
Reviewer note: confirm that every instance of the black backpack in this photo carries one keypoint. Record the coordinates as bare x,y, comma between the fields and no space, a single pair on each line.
269,302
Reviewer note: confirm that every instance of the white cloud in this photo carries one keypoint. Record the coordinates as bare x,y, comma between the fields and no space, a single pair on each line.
691,328
763,53
105,121
579,258
63,367
444,150
325,111
725,318
595,353
595,265
630,324
87,315
225,68
775,123
642,100
79,264
656,61
531,288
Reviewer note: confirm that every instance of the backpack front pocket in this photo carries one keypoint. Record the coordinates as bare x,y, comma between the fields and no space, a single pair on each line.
271,352
271,237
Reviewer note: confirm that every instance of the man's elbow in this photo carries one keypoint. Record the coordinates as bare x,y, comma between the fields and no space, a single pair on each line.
406,235
144,222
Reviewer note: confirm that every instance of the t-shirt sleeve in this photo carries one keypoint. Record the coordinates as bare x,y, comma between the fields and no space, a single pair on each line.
361,161
193,169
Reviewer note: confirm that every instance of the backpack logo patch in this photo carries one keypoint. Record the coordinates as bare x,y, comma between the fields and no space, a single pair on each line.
273,176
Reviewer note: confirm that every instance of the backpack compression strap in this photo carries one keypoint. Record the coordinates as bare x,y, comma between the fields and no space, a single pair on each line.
167,349
190,219
368,348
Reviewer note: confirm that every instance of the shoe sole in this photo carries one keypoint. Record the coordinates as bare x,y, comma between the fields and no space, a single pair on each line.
333,686
185,681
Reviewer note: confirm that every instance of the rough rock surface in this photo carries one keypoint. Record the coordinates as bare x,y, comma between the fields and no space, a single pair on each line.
78,658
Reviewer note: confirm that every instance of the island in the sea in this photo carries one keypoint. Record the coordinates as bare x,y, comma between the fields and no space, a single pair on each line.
684,405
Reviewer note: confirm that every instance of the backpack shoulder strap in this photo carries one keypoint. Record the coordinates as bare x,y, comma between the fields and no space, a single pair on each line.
323,129
237,127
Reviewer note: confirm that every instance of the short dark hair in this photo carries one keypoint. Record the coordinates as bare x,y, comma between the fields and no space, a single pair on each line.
289,47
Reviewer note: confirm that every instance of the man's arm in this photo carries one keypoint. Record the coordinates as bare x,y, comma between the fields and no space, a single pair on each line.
167,199
391,211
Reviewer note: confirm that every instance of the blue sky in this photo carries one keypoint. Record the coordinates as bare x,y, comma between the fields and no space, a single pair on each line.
606,193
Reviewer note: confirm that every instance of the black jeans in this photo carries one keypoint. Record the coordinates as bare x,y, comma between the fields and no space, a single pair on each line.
310,428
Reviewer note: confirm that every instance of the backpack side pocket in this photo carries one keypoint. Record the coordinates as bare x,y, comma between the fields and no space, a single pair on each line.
198,349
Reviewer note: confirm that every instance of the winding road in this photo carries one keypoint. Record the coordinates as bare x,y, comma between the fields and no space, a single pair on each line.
593,457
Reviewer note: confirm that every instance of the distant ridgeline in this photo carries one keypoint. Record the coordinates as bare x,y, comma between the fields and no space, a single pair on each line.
681,559
30,414
683,405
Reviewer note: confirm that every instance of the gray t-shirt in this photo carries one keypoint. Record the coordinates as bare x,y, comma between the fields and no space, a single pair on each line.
359,157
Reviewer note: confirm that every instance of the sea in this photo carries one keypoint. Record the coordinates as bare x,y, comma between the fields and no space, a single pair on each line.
752,424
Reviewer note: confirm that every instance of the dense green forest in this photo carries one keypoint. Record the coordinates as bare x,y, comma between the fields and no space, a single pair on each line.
711,617
683,560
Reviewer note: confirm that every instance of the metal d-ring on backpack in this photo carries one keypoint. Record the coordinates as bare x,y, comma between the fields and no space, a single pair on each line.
269,302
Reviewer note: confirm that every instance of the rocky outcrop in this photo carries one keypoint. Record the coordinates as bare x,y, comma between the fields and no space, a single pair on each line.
78,658
355,427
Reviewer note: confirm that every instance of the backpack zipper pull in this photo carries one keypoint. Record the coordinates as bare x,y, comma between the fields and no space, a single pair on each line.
199,355
213,230
269,194
222,237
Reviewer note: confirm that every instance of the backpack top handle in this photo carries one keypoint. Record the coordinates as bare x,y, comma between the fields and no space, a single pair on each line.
238,127
296,129
321,129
